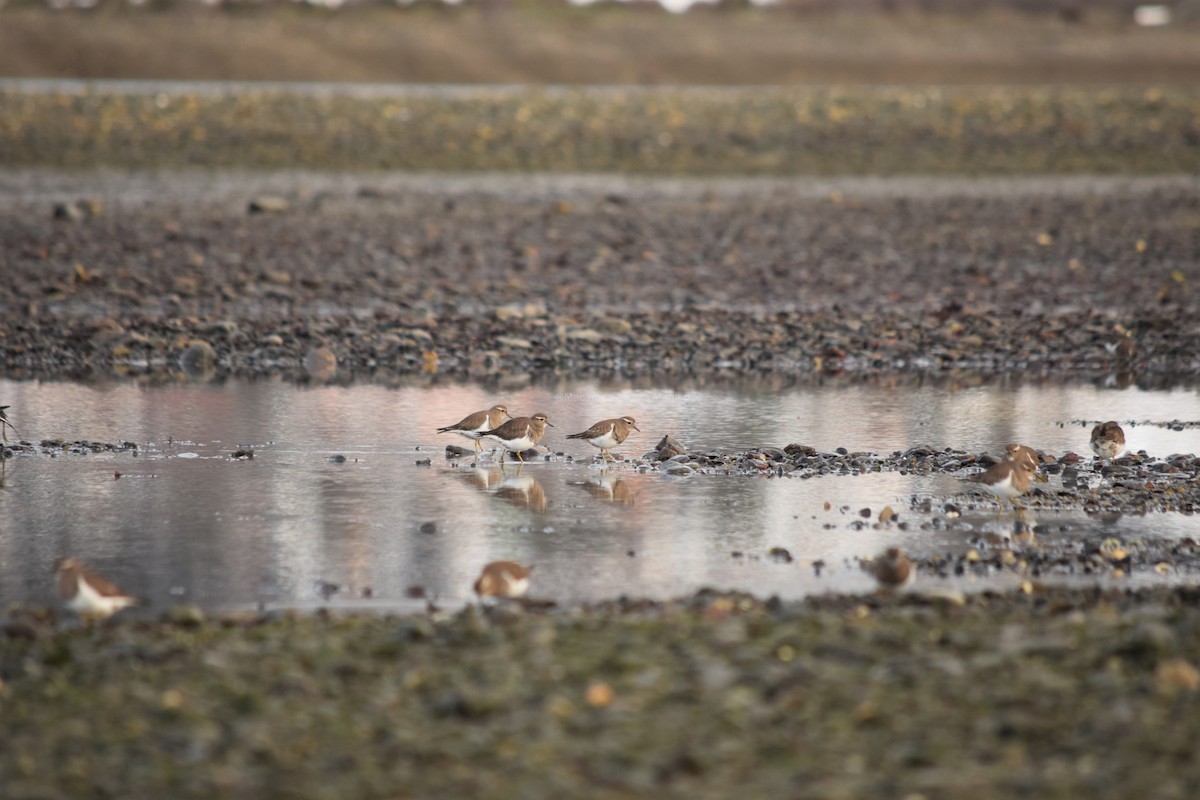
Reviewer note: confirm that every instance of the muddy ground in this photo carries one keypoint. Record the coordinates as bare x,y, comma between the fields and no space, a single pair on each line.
510,279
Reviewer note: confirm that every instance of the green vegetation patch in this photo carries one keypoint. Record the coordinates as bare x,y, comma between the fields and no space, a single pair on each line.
1054,693
701,131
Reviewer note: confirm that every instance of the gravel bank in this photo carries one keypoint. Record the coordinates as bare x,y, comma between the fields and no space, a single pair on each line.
511,278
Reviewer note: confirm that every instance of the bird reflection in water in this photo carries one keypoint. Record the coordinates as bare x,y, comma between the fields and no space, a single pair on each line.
610,488
520,490
523,491
480,478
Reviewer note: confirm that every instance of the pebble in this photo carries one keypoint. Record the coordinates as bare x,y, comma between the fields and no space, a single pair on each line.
268,204
198,359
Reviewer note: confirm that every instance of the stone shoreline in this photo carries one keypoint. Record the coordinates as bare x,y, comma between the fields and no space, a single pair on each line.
396,279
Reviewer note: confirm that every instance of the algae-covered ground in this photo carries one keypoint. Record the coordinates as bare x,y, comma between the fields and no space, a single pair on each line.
1044,693
669,130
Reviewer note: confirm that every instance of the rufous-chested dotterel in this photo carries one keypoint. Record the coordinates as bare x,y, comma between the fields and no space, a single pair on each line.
1108,440
607,434
473,426
1006,480
893,570
88,594
1020,452
503,579
519,434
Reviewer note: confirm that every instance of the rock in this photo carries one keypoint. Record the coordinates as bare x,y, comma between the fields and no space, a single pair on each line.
268,204
454,451
320,363
614,326
484,362
780,555
589,335
68,212
186,615
198,360
514,311
668,448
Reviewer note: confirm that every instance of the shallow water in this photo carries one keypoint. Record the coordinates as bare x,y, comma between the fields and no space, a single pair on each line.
186,522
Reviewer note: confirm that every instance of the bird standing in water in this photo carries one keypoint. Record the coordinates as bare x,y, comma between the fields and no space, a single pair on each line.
87,594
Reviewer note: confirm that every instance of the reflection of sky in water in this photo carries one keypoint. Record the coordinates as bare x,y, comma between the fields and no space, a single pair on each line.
222,532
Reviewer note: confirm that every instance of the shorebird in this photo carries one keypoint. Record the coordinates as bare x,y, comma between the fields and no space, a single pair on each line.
1020,452
473,426
5,424
1108,440
1007,480
88,594
607,434
893,570
503,579
519,434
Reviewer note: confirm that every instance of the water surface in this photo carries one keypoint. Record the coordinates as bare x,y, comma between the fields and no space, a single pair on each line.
184,521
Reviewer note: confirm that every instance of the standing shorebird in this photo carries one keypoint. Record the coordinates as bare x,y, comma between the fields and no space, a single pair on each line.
1020,452
87,594
893,570
607,434
5,424
473,426
1007,480
519,434
1108,440
503,579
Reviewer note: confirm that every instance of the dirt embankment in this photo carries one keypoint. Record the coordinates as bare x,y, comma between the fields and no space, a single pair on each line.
553,43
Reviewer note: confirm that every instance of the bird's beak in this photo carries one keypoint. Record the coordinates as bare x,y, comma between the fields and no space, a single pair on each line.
636,428
551,424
